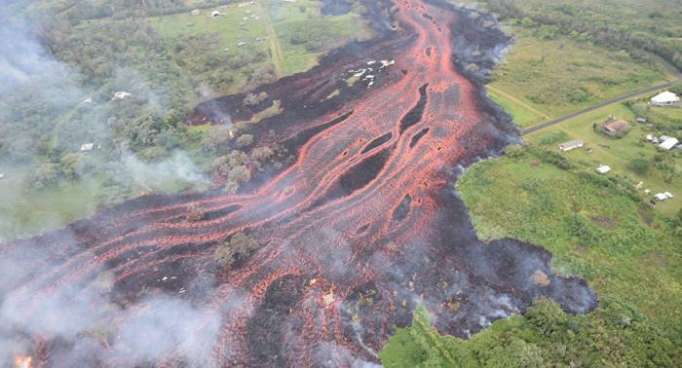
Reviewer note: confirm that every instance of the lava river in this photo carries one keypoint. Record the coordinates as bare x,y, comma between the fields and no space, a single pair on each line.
359,230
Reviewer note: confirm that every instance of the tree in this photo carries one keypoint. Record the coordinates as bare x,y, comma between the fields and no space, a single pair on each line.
639,166
45,175
235,250
253,99
245,140
240,174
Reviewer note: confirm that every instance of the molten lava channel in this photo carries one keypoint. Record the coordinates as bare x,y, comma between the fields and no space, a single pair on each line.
356,233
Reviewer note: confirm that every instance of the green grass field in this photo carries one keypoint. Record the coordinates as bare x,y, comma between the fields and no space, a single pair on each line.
23,213
267,26
541,79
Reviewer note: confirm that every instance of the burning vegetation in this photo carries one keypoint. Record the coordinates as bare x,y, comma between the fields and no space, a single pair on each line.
316,262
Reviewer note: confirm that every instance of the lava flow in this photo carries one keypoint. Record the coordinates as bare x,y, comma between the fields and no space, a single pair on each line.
363,227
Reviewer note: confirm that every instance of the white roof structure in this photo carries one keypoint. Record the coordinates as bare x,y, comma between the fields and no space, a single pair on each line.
87,147
669,143
665,98
121,95
215,13
571,145
664,196
2,176
604,169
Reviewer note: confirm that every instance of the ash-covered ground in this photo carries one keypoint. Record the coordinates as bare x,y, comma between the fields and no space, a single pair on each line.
346,241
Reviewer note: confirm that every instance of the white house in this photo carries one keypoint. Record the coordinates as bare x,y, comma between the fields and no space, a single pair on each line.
571,145
666,98
668,143
604,169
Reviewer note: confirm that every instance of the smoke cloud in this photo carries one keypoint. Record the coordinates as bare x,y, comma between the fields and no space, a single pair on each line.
82,316
93,328
49,110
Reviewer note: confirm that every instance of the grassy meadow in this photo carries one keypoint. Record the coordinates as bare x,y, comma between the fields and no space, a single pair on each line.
541,79
289,36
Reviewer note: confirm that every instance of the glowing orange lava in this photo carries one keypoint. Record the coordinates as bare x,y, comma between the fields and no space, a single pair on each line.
23,362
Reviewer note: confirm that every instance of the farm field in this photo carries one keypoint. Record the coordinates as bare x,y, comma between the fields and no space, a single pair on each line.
289,37
542,79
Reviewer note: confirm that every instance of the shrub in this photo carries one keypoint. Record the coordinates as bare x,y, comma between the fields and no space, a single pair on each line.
245,140
639,166
553,138
253,99
235,250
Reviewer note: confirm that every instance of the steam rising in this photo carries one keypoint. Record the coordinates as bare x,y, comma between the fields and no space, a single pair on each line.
81,315
154,329
50,103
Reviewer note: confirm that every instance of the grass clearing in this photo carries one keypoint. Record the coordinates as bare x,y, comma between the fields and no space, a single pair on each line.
552,77
25,212
523,114
267,27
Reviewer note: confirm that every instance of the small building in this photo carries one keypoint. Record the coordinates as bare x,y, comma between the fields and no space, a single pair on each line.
641,120
571,145
604,169
663,196
215,14
668,143
121,95
196,12
616,128
666,98
87,147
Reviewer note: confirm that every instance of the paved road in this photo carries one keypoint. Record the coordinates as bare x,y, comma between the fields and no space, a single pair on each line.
619,99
